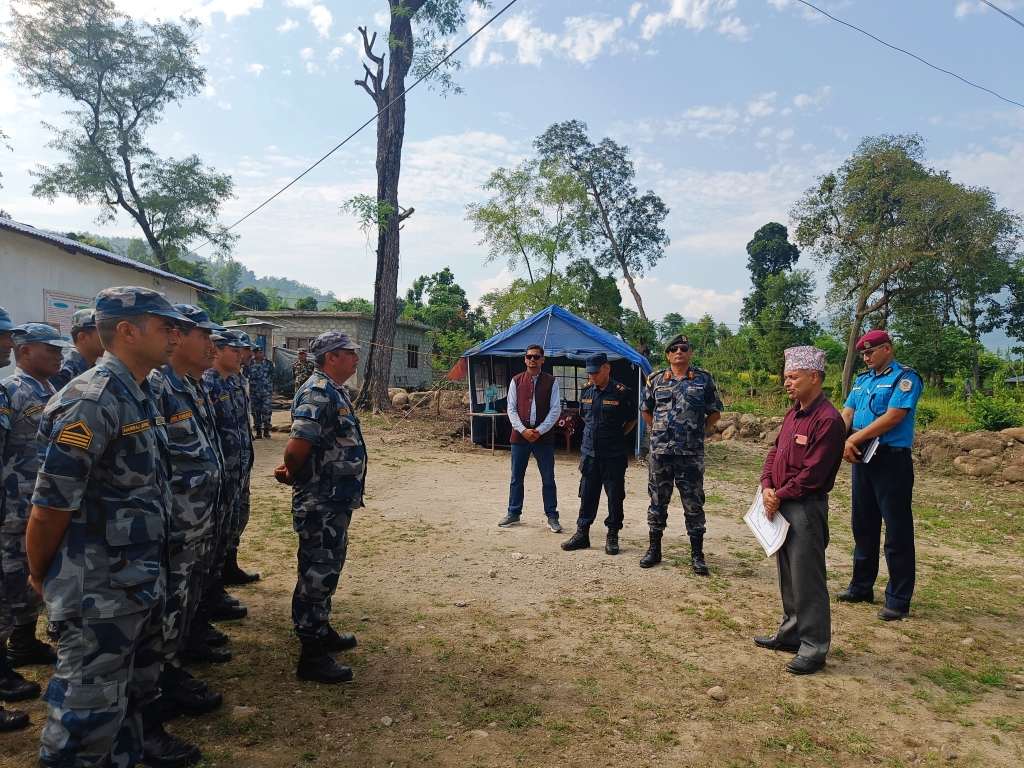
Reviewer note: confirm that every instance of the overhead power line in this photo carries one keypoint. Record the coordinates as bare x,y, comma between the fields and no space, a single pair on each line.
914,56
352,135
997,8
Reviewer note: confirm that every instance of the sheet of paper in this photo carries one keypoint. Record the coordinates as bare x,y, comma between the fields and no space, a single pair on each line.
770,533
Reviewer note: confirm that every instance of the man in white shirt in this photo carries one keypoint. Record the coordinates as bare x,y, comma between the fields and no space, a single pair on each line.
533,409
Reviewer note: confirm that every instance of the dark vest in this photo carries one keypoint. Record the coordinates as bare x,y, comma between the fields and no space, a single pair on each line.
525,396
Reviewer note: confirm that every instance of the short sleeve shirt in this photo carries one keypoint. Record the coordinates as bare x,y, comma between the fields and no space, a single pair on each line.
229,429
605,413
240,399
679,408
73,365
28,399
103,457
334,475
896,386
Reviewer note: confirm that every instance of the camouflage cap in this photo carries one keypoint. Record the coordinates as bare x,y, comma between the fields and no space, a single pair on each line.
228,338
330,341
199,316
5,321
83,318
130,300
40,333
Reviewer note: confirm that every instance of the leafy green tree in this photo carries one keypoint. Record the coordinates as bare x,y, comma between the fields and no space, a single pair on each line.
351,305
768,253
87,239
441,303
121,75
670,325
785,318
307,303
253,299
624,228
227,277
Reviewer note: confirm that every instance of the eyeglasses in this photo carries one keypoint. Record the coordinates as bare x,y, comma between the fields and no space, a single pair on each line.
534,357
678,348
869,352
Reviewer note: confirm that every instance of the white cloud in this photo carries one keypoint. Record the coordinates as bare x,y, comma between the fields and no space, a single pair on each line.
731,26
224,105
288,26
286,72
349,39
209,91
698,301
634,11
312,68
335,53
201,9
997,169
587,35
821,97
319,16
501,280
705,122
766,131
762,105
254,69
838,132
785,135
306,54
698,15
382,19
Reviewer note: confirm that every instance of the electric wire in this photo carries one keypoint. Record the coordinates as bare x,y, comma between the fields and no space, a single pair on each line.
997,8
913,56
352,135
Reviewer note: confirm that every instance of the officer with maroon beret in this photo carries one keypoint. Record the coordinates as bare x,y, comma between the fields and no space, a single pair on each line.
882,404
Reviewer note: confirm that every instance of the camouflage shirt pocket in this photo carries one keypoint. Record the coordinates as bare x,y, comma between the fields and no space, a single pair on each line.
134,549
134,465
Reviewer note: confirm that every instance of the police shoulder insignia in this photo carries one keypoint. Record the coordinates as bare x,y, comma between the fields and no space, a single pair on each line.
225,396
34,409
136,427
5,411
887,371
620,387
77,435
906,385
180,417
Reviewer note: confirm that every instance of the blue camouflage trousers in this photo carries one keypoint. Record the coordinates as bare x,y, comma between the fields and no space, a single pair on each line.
261,407
184,588
21,604
242,519
323,544
107,671
226,522
685,472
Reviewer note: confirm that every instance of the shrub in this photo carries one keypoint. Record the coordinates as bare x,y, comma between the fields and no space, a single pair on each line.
994,413
925,416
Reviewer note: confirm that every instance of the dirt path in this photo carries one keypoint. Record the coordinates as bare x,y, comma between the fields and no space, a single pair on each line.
487,647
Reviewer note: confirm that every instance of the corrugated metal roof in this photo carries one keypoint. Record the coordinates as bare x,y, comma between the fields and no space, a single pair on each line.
313,314
73,246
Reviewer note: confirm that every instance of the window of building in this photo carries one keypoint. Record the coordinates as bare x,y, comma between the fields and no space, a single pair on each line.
414,356
298,342
571,380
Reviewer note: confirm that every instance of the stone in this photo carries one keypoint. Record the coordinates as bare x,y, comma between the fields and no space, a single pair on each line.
777,711
421,399
967,641
517,555
365,618
939,453
492,573
1014,433
772,436
982,453
730,432
1018,686
748,418
718,693
461,603
973,466
1013,474
478,734
386,721
750,429
392,391
400,400
989,440
947,752
242,713
715,438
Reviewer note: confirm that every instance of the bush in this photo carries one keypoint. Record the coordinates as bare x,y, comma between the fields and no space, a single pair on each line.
925,416
994,413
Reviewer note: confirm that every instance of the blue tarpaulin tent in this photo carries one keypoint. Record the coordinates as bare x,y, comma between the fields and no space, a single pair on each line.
567,341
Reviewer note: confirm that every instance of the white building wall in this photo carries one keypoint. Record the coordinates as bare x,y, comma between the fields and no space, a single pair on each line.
29,267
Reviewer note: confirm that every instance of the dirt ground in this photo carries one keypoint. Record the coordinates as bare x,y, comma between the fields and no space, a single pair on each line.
480,646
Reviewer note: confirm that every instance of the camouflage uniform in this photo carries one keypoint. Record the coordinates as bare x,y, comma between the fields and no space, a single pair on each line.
261,393
302,371
324,495
679,408
5,431
28,397
103,457
195,478
74,365
242,405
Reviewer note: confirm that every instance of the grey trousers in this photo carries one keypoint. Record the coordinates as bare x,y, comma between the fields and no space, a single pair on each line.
806,606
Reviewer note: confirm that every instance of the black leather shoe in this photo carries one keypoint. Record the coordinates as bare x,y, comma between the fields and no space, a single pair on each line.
611,543
579,540
181,701
801,665
12,721
653,554
212,636
335,642
316,665
891,614
197,651
774,645
846,596
14,687
25,649
226,612
161,750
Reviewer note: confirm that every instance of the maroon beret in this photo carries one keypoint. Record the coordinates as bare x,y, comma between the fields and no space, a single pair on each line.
873,339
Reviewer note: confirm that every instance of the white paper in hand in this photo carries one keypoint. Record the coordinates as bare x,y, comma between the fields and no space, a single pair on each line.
770,533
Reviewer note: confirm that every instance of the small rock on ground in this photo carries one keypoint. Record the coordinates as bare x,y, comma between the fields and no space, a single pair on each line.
718,693
492,573
242,713
517,555
386,721
947,752
461,603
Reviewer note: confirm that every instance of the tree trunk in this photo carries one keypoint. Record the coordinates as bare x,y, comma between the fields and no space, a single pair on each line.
373,392
851,346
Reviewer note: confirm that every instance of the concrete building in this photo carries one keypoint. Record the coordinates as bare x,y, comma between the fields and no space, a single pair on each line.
295,329
45,278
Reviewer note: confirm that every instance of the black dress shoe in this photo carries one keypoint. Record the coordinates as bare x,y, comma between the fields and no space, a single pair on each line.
891,614
774,645
12,721
335,642
161,750
801,665
184,702
212,636
197,651
226,612
846,596
14,687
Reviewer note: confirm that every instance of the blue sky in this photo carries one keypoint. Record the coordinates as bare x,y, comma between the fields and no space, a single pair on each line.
731,108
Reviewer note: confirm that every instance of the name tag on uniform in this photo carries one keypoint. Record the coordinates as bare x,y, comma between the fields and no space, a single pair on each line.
587,400
611,402
884,386
225,397
180,417
801,439
133,429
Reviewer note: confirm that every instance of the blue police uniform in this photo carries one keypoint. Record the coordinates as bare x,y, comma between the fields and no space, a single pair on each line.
883,488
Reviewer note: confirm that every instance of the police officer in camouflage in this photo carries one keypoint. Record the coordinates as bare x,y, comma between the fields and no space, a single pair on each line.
680,404
302,369
86,351
325,463
608,409
232,573
38,354
195,478
13,687
260,373
96,543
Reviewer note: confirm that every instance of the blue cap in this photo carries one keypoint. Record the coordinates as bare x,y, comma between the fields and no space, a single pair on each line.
227,338
5,321
40,333
83,318
199,316
330,341
130,300
594,362
248,340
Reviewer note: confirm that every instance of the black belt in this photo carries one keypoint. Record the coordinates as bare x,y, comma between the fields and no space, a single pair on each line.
890,449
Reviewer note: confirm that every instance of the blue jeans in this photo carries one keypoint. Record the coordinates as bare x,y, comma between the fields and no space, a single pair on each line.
545,456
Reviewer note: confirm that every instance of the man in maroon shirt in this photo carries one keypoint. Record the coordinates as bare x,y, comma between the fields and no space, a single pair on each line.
798,474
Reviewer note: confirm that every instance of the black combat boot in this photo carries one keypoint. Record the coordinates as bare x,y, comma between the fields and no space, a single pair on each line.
697,555
316,665
335,642
256,435
159,748
12,721
218,605
266,432
14,687
234,576
611,542
182,694
25,649
210,635
579,540
653,555
198,651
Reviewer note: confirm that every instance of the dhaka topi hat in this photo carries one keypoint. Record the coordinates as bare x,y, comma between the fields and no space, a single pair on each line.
679,338
594,362
130,300
873,339
40,333
83,319
199,316
5,321
227,339
804,359
330,341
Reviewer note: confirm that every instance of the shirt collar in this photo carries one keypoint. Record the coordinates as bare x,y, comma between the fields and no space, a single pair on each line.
114,364
32,381
172,377
811,407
